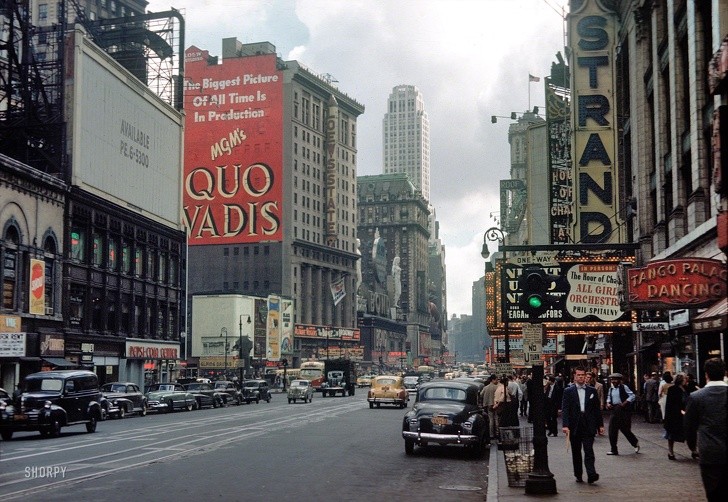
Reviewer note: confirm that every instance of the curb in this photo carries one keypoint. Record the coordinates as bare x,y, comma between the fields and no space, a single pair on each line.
492,494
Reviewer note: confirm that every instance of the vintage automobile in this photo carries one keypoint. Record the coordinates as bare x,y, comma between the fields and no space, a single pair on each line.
411,382
206,395
388,389
50,400
300,389
446,412
121,399
364,381
229,391
169,397
256,390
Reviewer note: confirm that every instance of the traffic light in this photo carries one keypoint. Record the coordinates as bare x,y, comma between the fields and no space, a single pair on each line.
534,284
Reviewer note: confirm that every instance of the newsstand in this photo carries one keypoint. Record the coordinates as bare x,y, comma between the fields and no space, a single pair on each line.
517,446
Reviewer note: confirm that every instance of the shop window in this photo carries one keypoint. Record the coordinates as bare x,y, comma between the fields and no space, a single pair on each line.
98,250
173,267
138,261
113,257
97,310
111,317
76,303
125,258
150,272
161,267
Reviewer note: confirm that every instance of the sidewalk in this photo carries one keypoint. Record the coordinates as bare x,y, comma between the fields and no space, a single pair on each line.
629,476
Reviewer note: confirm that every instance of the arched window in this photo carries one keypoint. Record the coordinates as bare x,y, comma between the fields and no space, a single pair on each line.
49,250
10,265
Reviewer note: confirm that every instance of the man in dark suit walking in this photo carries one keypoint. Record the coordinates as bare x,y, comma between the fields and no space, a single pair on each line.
705,423
582,419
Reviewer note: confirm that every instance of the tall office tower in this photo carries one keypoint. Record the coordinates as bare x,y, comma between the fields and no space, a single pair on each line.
406,133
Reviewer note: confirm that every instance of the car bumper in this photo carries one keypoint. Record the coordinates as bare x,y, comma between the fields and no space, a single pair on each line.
431,437
157,406
386,400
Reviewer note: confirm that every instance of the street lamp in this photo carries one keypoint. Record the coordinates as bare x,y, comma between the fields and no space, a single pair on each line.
240,351
495,234
224,330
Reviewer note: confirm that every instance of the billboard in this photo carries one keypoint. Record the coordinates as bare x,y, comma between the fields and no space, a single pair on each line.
273,329
36,296
126,143
592,39
233,186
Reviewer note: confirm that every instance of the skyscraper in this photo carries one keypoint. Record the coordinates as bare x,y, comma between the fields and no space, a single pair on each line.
406,133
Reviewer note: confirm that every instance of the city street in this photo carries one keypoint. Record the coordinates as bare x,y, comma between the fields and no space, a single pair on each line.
332,448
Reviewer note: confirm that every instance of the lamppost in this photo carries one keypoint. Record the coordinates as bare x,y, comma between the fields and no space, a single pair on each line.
495,234
240,351
224,330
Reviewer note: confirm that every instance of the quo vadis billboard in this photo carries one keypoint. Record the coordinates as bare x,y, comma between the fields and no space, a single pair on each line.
686,282
233,149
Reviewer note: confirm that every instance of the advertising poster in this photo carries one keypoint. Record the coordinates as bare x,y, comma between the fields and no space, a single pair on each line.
286,326
37,287
233,149
273,329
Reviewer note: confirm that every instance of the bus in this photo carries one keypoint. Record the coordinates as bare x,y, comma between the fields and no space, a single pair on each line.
313,371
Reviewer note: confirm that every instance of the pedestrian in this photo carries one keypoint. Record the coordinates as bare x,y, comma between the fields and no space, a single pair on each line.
514,389
662,391
553,397
502,404
591,380
705,427
619,399
487,395
691,384
529,393
651,398
581,421
674,411
524,396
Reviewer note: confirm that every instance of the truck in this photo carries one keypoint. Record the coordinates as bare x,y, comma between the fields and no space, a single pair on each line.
339,377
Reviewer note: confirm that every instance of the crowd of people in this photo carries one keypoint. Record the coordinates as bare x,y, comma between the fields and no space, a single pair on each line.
694,416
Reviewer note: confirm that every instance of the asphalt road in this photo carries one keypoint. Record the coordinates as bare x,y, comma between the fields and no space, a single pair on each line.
331,449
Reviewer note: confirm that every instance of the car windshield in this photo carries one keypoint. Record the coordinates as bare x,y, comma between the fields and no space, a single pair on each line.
221,385
252,385
411,379
37,384
301,383
110,387
448,393
161,387
386,381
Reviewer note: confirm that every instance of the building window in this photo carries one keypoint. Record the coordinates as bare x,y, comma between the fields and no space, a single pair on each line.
10,261
113,257
78,244
49,247
42,12
125,258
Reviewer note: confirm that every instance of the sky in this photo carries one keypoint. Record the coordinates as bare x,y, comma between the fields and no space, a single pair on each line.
470,59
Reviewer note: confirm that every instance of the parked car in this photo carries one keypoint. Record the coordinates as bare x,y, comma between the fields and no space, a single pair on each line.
169,397
256,390
229,391
388,389
206,395
122,398
411,383
446,412
50,400
300,389
364,381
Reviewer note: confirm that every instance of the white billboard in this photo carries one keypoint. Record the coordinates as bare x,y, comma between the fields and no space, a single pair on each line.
220,321
126,143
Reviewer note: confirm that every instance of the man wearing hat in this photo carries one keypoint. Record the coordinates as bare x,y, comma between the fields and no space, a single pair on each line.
651,398
620,399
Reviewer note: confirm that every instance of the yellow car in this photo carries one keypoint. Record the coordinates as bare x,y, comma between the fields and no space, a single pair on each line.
364,381
388,389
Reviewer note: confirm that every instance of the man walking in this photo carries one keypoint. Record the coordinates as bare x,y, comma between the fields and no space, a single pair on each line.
582,420
651,398
619,399
553,396
487,395
705,424
591,380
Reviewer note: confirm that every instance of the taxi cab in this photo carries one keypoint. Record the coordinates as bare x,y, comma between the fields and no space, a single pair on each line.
388,389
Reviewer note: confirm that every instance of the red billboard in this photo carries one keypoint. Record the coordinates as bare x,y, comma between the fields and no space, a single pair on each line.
233,186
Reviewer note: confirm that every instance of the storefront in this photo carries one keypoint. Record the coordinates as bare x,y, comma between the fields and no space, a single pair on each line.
147,362
710,329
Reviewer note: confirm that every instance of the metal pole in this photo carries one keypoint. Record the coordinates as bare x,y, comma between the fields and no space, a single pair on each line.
225,348
541,481
240,352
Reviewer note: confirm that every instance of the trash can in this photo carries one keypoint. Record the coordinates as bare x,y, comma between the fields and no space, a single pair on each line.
517,446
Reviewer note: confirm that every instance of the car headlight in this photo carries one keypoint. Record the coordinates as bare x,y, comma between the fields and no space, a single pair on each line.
413,424
47,404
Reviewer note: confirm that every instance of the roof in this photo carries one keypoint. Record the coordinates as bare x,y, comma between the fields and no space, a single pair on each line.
61,374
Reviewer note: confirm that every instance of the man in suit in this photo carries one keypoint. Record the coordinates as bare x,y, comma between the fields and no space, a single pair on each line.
553,394
582,419
591,380
651,399
705,424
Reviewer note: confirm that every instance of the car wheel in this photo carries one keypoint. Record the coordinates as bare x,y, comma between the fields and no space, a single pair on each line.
104,413
170,406
268,400
477,450
144,410
257,401
190,406
90,425
379,405
122,412
54,430
371,406
290,400
238,401
409,446
6,435
214,403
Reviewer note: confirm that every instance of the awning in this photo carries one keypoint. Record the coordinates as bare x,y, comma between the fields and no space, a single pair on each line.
59,362
646,346
714,318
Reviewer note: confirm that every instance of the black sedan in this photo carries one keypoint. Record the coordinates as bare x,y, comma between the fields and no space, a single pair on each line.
446,412
229,392
121,399
205,395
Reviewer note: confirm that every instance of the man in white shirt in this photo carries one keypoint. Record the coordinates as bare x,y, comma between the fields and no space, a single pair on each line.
619,399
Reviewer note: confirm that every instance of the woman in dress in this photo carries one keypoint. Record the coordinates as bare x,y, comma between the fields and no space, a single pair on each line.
674,411
665,384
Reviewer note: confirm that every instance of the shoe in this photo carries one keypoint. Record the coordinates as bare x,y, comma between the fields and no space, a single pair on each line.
593,479
579,480
671,457
637,449
612,453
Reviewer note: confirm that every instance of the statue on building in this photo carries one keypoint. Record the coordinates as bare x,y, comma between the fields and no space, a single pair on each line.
397,279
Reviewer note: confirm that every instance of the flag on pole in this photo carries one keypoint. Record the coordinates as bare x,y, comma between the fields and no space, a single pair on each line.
338,292
531,78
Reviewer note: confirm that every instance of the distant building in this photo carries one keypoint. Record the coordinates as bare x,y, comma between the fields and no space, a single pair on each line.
406,134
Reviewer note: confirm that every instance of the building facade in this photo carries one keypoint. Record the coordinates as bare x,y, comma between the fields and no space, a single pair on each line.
406,137
270,200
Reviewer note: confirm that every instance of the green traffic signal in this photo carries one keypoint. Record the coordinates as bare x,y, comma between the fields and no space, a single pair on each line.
535,302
